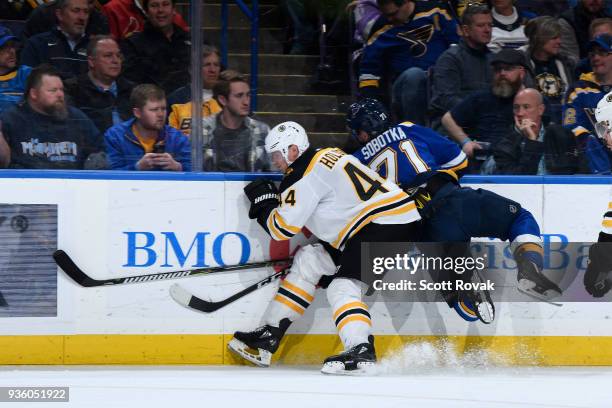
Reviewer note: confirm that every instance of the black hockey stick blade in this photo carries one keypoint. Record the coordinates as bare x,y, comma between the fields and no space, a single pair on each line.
63,260
2,301
184,298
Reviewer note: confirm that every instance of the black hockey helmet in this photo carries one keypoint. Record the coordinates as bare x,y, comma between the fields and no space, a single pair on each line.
368,115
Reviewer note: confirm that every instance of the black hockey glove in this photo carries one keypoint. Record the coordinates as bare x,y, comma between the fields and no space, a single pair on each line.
598,276
263,195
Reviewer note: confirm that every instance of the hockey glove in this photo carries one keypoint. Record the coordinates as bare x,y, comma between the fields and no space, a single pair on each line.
263,195
598,276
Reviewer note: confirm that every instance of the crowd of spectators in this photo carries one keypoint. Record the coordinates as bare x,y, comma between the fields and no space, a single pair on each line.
514,82
84,86
512,63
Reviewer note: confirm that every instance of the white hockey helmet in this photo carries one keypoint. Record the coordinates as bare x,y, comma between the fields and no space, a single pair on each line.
284,135
603,117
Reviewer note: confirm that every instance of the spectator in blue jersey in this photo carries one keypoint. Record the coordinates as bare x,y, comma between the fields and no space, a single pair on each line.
582,99
145,142
464,68
45,133
483,117
12,77
404,43
508,25
551,73
530,147
64,47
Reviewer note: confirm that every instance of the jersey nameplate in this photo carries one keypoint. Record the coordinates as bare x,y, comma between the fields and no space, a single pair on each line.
330,158
375,145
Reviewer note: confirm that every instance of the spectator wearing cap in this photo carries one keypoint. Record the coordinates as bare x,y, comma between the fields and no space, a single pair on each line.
550,72
508,25
43,19
64,47
598,27
404,43
581,101
530,147
12,76
575,24
465,67
483,117
161,53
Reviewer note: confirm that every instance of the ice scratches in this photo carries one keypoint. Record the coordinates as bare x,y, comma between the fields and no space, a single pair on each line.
421,357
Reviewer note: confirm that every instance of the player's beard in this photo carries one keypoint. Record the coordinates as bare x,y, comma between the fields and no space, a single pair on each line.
505,89
58,110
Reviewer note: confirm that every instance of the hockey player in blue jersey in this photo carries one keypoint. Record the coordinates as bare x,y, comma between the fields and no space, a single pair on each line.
425,163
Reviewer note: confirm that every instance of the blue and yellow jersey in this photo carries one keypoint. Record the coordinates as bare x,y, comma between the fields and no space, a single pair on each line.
580,103
579,117
409,155
417,43
12,86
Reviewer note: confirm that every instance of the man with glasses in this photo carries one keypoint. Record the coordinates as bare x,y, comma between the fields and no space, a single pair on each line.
483,117
581,101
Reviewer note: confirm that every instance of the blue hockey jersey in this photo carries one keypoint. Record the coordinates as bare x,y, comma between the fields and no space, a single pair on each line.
12,86
579,116
409,155
417,43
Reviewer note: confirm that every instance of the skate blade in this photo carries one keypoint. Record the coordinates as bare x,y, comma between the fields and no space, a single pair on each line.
486,312
549,294
239,348
337,368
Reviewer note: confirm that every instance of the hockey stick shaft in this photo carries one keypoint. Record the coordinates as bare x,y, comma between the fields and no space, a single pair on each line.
64,261
188,300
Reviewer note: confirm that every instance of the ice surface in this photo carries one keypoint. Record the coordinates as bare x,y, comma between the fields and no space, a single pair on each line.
439,379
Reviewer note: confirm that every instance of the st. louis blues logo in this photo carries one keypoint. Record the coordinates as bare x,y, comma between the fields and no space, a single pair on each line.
418,38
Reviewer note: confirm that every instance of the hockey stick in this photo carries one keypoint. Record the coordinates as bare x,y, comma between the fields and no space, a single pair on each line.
188,300
2,301
76,274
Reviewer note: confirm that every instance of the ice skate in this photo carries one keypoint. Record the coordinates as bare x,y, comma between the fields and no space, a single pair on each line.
358,360
532,282
257,346
480,301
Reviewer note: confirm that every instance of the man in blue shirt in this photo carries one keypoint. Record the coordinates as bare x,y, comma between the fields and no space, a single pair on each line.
146,142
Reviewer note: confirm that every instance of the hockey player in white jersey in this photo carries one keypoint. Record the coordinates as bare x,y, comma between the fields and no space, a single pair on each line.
598,276
343,203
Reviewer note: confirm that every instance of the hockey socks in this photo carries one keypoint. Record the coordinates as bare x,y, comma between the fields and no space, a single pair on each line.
353,322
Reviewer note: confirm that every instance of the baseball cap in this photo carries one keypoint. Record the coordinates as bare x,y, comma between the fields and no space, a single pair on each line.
604,41
6,35
510,57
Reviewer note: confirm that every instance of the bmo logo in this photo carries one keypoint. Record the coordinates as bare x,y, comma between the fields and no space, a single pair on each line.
166,250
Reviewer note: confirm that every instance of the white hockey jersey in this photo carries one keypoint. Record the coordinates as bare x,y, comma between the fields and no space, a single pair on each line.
333,195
